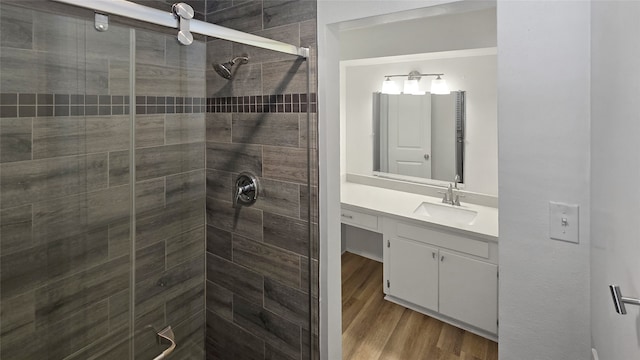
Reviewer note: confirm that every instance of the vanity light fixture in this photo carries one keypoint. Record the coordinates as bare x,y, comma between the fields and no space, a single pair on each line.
438,85
411,87
390,87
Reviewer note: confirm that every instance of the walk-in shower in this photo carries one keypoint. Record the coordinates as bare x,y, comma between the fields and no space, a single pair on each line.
119,150
224,69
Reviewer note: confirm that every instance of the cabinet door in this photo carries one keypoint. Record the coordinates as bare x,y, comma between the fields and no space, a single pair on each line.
413,272
469,291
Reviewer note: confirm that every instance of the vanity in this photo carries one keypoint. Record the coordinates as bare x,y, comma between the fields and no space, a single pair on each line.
438,259
438,246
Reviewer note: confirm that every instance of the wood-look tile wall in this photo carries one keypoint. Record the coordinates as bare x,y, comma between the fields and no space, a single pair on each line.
65,243
257,257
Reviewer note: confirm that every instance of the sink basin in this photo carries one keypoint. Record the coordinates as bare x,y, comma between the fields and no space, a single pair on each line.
446,212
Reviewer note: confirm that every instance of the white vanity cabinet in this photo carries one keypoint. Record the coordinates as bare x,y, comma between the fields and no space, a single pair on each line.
412,269
446,275
468,291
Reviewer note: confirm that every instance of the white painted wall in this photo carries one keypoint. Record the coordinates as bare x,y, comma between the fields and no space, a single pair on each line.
615,198
474,74
543,131
475,29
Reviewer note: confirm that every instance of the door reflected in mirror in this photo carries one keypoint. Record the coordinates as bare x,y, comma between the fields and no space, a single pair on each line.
419,136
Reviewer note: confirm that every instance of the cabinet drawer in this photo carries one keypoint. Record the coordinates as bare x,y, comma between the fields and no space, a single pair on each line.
443,239
359,219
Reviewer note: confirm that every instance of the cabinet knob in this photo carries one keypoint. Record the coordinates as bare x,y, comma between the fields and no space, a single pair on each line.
442,258
433,254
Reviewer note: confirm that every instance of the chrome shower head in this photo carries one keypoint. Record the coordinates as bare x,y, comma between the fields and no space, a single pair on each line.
224,69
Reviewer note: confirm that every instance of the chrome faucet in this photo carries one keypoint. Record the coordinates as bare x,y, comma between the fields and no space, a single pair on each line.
447,198
451,196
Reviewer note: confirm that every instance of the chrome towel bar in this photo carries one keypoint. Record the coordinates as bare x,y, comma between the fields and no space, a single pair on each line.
619,300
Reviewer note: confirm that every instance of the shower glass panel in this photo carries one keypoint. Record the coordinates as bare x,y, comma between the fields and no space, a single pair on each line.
170,194
65,264
97,250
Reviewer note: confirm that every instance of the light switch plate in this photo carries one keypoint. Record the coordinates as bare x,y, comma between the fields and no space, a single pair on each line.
563,222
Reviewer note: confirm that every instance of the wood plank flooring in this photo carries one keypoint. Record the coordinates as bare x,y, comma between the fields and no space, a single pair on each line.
373,328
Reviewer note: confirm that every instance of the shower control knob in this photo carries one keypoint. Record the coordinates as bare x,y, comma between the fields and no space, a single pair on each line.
246,190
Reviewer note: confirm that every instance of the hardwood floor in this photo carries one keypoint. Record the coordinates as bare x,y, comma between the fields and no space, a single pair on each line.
373,328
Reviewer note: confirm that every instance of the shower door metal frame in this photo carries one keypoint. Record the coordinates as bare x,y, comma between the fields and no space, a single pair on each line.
167,19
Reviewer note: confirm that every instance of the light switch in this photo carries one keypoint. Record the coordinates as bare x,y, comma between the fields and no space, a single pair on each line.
563,222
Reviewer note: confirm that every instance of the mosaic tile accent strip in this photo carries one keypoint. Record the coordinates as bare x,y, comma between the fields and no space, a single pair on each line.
170,105
40,105
281,103
14,105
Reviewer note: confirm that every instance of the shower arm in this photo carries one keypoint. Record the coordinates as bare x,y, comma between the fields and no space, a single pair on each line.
244,59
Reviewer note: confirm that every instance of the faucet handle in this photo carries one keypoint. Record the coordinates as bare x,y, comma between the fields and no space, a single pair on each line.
445,197
246,190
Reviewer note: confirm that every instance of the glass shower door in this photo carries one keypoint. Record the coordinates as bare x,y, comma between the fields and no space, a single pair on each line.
65,244
170,194
102,189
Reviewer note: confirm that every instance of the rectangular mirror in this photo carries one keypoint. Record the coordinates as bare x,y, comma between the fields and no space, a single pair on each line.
419,136
471,71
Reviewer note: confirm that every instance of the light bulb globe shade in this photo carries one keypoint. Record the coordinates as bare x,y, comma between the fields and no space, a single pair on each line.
389,87
411,87
439,87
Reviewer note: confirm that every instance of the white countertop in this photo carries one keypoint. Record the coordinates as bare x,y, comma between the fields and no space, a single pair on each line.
402,205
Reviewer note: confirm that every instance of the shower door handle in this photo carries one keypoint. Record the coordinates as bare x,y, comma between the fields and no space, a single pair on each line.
619,300
166,334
